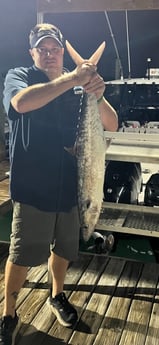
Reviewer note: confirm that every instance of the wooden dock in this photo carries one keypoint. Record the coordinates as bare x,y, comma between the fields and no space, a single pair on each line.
5,201
117,303
117,300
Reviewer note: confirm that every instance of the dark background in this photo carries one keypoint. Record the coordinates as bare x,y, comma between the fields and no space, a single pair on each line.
85,31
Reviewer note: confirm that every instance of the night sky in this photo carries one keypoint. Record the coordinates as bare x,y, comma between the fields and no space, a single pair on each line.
85,31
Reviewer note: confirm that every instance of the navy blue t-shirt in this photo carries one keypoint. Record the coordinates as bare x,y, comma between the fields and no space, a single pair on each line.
43,174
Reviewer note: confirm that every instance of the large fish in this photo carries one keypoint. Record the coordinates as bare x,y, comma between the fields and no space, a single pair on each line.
90,150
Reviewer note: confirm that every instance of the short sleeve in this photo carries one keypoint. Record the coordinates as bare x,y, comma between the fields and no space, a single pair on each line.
16,80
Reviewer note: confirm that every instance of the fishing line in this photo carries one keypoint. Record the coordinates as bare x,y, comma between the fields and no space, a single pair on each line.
78,90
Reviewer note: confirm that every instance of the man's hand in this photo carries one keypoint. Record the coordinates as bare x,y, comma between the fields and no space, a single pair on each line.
96,85
84,73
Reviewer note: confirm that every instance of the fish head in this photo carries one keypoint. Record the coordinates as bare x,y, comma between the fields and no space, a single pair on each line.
89,214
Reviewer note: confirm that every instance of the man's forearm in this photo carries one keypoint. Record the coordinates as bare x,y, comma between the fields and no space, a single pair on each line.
38,95
108,115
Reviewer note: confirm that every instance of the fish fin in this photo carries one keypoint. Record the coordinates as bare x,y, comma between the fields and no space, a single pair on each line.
97,54
70,150
77,58
74,54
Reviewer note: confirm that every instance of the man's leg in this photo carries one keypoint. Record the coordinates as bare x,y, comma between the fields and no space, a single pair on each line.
58,267
9,323
59,304
15,276
64,250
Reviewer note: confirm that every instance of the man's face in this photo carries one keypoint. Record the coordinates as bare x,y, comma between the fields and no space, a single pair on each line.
48,56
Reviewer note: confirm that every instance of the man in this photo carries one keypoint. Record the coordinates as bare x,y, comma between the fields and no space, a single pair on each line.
43,113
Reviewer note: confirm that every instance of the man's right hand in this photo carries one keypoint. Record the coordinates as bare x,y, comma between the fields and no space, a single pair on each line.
84,72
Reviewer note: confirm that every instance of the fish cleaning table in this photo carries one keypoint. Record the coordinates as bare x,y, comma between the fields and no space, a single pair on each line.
129,219
133,147
124,218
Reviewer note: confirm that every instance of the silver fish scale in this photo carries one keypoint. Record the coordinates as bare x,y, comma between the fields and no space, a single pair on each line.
90,151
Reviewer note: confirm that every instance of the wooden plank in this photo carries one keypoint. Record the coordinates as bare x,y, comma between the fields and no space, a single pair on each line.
98,303
81,296
137,322
37,330
4,167
116,314
117,303
26,290
32,305
153,330
55,6
5,201
2,268
36,314
4,190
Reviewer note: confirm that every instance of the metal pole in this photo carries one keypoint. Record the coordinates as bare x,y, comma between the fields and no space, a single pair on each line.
115,46
128,45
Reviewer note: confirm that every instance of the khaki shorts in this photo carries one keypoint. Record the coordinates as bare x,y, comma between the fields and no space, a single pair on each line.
33,231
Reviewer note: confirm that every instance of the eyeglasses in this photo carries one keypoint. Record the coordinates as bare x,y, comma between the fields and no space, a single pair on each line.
47,52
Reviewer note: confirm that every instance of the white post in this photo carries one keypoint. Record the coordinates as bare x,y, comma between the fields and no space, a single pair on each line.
40,17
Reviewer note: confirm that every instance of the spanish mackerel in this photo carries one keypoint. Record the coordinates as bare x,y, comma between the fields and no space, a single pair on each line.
90,151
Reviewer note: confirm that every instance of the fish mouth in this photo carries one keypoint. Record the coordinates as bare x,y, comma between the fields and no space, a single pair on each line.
86,232
89,220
